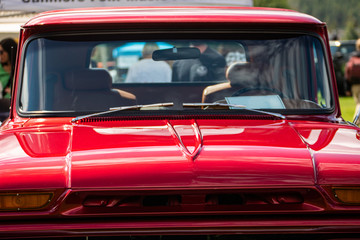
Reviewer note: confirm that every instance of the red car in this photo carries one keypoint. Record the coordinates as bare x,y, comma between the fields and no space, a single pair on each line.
167,123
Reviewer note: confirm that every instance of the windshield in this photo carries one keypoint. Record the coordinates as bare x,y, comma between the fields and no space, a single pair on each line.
87,74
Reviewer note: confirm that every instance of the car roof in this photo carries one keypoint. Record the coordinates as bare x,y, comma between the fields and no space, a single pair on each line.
146,15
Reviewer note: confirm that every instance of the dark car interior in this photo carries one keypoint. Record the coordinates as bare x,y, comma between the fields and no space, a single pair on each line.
89,76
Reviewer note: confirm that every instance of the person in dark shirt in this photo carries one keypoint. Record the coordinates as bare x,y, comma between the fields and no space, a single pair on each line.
8,48
352,75
209,67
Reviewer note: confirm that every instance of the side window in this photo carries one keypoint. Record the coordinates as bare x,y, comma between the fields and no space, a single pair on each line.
322,87
31,96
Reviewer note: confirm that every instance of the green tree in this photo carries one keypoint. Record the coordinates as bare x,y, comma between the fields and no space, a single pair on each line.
335,13
350,30
272,3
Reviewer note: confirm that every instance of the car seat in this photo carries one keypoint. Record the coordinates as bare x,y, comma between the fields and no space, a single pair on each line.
91,90
240,75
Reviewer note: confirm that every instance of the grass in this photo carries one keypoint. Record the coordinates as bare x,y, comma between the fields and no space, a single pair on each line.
347,106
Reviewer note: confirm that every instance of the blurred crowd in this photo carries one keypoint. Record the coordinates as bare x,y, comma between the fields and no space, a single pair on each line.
8,48
352,74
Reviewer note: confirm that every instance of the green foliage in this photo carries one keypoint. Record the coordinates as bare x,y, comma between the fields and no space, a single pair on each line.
350,30
337,14
347,106
272,3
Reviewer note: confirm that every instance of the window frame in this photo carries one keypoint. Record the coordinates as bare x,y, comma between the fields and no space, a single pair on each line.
180,34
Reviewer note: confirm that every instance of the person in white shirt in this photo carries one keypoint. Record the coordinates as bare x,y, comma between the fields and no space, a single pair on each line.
147,70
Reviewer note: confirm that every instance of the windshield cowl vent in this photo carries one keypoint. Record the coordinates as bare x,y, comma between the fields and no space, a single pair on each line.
175,117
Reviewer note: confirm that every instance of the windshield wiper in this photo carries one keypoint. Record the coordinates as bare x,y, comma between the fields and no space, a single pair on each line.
169,104
118,109
233,106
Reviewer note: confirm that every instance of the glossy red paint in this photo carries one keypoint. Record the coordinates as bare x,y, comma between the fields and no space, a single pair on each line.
145,15
228,149
282,168
149,156
335,151
178,226
21,169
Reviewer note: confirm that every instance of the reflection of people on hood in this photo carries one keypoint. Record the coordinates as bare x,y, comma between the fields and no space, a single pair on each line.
209,67
148,70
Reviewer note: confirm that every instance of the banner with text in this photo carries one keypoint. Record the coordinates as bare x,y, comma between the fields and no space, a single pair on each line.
44,5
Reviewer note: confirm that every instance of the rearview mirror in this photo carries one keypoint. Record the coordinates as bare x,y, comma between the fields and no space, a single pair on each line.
176,54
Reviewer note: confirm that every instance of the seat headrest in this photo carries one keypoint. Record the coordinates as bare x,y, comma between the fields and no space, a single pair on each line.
242,73
88,79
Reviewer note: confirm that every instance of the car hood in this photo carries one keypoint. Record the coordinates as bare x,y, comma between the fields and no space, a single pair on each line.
173,154
188,153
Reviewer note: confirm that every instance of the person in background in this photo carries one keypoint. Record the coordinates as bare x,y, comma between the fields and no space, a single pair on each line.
148,70
209,67
8,48
4,78
233,52
352,74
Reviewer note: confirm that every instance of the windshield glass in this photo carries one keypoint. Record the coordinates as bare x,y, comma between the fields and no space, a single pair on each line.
87,74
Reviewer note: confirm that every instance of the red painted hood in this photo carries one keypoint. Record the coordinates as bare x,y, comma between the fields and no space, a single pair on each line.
190,154
335,150
178,154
